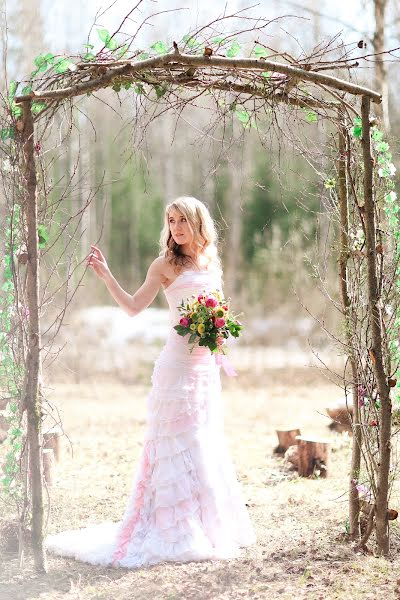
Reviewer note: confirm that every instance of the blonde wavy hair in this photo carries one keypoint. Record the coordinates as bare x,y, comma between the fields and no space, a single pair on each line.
205,237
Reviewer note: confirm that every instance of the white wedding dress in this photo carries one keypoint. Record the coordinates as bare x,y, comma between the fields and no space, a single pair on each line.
186,502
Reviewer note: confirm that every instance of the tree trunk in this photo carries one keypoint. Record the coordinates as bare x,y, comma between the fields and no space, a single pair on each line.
168,167
27,26
354,504
32,400
237,195
381,80
375,351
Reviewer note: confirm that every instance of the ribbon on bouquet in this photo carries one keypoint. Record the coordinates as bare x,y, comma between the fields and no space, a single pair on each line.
223,361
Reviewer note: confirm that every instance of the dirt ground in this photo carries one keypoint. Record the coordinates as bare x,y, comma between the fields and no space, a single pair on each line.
299,522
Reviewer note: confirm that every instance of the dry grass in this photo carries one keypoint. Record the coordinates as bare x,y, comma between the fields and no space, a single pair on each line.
298,521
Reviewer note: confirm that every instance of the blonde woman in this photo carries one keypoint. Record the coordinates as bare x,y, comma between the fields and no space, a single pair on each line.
186,503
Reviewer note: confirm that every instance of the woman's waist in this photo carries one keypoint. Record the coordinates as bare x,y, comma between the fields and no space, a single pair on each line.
179,344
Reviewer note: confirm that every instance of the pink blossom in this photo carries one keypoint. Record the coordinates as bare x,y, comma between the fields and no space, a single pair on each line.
211,302
364,491
200,298
184,322
220,322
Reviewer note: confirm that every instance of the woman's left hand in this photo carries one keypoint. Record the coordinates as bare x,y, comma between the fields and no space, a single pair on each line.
97,260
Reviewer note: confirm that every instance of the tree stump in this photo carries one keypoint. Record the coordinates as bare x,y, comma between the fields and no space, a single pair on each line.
51,439
314,456
48,465
292,456
286,438
341,415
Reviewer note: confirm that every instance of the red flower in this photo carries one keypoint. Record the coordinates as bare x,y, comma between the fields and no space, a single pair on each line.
211,302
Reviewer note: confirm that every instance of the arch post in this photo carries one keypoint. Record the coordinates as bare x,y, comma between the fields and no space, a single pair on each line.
31,401
376,340
354,503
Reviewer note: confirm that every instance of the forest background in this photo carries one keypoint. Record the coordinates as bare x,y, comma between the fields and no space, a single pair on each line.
272,206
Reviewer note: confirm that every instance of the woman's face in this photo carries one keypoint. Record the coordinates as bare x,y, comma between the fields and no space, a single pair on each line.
179,227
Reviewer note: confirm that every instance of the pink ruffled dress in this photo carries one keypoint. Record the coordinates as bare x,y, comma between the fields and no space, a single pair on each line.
186,502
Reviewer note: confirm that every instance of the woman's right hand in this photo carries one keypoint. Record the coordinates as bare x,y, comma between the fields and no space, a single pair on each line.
98,262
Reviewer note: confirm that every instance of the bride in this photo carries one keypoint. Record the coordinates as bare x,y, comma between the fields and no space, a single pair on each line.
186,502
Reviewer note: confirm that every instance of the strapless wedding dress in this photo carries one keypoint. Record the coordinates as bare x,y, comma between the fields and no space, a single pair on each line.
186,502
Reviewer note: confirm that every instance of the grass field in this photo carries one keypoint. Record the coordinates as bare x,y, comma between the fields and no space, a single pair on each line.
299,522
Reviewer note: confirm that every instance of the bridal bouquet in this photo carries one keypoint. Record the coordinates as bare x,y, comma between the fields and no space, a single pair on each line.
208,320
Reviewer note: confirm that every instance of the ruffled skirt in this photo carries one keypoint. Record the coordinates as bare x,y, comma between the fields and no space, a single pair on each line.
186,502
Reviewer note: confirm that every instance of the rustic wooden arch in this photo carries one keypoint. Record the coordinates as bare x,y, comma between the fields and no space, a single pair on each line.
179,70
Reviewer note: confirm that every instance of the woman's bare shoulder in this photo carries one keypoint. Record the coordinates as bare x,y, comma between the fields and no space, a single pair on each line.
164,268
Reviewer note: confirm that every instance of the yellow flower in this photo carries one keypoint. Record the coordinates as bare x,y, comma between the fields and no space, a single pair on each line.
219,313
193,327
201,328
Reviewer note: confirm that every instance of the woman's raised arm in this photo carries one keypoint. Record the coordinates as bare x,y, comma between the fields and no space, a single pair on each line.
131,304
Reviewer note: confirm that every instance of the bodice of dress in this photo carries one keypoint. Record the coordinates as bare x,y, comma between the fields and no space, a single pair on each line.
187,284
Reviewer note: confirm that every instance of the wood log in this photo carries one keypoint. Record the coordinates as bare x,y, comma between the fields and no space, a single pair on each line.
52,439
48,465
286,438
314,456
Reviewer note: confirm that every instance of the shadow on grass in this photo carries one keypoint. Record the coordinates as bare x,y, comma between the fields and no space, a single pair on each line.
64,576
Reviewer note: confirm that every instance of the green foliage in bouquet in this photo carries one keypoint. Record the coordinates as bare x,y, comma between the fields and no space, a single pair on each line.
208,320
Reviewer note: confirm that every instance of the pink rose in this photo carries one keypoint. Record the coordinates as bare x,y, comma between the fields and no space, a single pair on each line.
200,298
211,301
220,322
184,322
